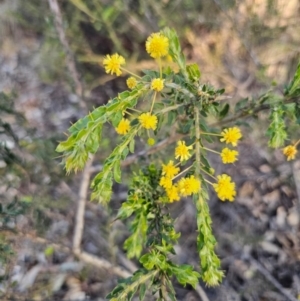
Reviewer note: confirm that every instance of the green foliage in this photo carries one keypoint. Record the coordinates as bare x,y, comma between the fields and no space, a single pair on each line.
276,130
293,89
185,105
154,229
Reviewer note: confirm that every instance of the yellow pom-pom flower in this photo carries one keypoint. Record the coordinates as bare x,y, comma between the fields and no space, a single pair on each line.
151,141
157,45
165,182
172,194
188,186
225,189
113,64
123,127
290,152
170,170
131,82
231,135
157,84
148,121
182,151
229,156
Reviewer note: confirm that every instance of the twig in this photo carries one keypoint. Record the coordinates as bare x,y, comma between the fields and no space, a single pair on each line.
69,56
83,256
201,293
296,175
252,110
79,220
272,280
102,263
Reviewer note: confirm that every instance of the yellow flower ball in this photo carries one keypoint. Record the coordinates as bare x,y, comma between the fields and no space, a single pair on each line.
182,151
131,82
290,152
172,194
229,156
113,64
123,127
157,84
188,186
148,121
170,170
231,135
225,189
157,45
151,141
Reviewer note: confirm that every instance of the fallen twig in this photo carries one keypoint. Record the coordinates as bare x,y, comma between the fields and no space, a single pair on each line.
79,220
272,280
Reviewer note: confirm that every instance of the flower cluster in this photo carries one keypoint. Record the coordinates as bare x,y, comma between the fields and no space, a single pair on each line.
157,45
184,187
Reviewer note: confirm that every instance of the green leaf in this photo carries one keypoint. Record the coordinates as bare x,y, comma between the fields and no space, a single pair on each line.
297,112
193,72
293,88
224,111
186,275
276,129
142,292
135,242
117,171
131,145
241,104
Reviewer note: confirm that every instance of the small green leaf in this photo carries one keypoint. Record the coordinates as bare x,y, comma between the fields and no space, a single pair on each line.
241,104
117,171
142,291
193,72
224,111
49,251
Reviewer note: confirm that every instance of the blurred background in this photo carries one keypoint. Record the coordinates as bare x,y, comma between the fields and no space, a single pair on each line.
51,75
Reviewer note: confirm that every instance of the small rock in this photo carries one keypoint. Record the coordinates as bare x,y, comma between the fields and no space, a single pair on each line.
281,217
293,217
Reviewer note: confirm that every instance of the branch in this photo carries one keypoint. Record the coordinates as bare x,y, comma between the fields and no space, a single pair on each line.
252,110
272,280
79,220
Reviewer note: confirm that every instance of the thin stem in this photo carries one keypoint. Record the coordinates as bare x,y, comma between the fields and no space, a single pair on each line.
131,73
138,111
297,143
153,101
211,150
182,172
163,289
208,182
212,134
160,68
208,173
128,113
197,151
